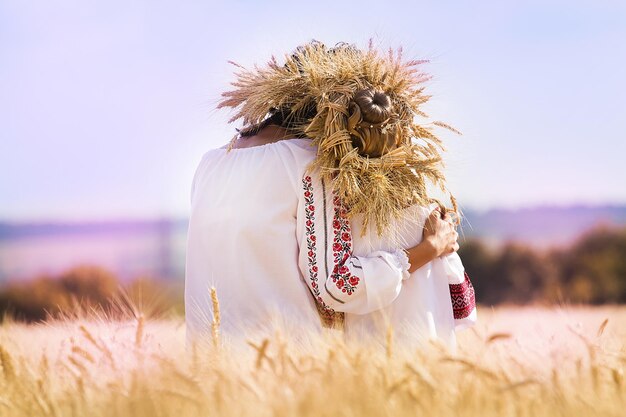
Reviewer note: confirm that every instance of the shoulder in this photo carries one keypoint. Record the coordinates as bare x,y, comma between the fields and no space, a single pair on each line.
296,154
301,146
212,153
207,158
288,156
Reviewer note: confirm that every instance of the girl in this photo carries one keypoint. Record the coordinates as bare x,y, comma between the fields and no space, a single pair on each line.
329,147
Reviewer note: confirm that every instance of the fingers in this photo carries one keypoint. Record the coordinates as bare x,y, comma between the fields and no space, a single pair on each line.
440,224
453,244
448,217
455,236
446,222
434,215
453,248
432,219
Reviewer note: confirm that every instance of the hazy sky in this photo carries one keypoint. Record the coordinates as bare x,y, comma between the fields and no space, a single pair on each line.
106,107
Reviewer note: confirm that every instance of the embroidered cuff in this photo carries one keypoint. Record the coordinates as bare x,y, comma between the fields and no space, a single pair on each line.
402,260
463,298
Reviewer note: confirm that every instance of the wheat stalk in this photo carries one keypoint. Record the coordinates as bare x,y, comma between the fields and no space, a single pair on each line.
215,325
7,364
139,331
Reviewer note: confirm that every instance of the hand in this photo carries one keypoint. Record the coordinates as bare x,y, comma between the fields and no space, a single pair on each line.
440,233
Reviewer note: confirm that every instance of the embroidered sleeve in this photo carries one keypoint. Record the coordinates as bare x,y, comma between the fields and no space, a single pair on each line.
463,298
339,280
462,293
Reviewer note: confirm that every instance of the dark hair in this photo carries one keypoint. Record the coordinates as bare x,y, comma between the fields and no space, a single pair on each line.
284,118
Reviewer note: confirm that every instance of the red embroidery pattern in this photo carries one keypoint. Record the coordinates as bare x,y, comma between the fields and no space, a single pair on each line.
342,249
329,317
463,298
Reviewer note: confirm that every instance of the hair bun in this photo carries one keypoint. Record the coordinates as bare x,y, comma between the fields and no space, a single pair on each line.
369,113
375,105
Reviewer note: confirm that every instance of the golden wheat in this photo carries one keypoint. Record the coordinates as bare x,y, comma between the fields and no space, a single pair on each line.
516,361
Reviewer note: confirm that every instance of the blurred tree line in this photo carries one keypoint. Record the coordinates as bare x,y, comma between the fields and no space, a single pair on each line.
592,270
88,290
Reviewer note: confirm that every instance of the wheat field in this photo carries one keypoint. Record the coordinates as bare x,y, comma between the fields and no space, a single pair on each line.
530,361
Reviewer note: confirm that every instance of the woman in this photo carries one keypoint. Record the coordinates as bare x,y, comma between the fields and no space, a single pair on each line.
272,213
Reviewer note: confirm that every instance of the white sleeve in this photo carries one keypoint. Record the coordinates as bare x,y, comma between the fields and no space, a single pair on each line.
462,293
195,178
339,280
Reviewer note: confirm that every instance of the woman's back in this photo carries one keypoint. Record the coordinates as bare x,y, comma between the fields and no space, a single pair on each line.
241,239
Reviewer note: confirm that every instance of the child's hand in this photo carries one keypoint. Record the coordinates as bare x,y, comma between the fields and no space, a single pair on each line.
440,232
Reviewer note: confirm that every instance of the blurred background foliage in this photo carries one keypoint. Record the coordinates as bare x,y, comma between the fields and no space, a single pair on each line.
89,289
591,270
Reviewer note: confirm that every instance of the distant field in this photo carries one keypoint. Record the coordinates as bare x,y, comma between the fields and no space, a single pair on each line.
515,362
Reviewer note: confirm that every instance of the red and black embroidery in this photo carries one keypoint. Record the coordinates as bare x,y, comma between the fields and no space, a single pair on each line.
463,298
309,213
329,317
343,278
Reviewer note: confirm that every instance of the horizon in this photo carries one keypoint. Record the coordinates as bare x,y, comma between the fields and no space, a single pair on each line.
182,216
157,246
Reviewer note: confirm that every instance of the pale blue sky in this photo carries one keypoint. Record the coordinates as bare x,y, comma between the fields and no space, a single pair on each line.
106,107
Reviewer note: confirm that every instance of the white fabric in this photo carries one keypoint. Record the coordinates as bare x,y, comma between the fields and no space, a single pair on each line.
423,310
377,274
242,241
455,272
250,236
246,228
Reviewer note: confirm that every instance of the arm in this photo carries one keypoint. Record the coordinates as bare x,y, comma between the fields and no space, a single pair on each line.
438,238
339,280
421,254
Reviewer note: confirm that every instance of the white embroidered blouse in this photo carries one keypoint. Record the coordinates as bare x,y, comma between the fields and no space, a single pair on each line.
434,303
276,245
